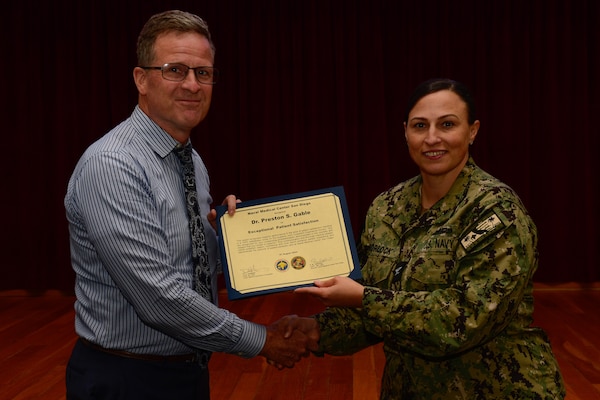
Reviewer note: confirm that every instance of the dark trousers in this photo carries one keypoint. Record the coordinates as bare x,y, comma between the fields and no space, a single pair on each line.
93,374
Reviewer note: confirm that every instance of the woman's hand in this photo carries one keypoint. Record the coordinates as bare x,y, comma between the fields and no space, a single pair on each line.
339,291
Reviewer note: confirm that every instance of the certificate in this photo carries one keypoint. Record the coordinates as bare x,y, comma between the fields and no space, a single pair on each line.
280,243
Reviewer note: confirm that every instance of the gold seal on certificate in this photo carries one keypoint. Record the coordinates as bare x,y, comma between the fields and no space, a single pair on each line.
284,242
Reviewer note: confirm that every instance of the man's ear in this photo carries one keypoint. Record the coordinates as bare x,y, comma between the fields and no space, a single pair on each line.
140,78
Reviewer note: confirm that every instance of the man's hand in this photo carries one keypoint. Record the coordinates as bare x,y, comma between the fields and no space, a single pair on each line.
308,326
289,339
339,291
229,201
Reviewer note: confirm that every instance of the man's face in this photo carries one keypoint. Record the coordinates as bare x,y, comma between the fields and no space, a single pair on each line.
177,107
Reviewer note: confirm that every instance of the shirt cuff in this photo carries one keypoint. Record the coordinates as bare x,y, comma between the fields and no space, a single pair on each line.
252,340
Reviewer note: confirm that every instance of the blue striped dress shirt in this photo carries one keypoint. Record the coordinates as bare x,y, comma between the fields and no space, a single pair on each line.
131,250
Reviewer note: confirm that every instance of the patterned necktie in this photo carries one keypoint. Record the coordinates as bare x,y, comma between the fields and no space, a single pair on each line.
202,279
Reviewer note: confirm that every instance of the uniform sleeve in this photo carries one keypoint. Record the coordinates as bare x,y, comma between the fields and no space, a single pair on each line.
343,330
492,275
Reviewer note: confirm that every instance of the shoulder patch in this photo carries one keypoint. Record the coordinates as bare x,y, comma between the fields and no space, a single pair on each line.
484,228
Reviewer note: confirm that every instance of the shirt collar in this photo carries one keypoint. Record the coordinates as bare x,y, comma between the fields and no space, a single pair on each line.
157,138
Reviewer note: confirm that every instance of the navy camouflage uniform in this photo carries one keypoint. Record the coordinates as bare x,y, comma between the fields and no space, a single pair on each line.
449,292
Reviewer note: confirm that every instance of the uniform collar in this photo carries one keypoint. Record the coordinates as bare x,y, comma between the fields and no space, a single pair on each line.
406,210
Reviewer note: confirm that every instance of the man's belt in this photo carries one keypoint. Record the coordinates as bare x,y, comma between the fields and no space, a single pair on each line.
200,358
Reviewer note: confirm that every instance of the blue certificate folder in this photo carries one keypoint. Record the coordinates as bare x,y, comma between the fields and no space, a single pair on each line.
280,243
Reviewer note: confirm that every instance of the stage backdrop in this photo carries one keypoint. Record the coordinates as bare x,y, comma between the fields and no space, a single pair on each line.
311,95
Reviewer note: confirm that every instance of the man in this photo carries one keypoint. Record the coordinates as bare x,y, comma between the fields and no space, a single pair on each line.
146,327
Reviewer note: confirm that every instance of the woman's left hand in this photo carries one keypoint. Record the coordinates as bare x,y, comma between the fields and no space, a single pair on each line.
339,291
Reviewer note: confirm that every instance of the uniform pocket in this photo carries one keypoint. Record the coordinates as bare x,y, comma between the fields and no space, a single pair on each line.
430,271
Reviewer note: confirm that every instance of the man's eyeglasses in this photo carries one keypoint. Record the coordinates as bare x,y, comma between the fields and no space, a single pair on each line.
178,72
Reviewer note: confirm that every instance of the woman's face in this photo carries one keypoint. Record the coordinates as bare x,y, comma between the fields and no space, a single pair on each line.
438,134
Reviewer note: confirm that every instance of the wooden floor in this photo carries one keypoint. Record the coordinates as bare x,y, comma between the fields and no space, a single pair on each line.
36,337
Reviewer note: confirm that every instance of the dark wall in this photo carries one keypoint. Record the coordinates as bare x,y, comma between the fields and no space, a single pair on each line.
311,96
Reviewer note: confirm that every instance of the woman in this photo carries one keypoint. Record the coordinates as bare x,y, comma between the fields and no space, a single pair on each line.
447,261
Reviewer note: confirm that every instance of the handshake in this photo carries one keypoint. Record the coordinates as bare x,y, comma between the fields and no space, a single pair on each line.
289,339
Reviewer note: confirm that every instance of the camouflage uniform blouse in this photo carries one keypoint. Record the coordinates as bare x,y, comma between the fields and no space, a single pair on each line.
449,292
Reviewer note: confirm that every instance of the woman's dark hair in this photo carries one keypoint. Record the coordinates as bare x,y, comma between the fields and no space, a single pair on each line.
438,84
